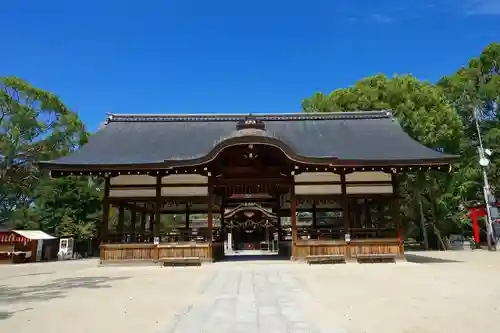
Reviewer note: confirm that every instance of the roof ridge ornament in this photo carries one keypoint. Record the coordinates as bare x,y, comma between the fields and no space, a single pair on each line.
109,118
250,122
241,118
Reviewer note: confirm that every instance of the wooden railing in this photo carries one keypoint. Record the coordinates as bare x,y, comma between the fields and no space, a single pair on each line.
320,233
376,246
369,233
148,252
304,248
198,235
128,251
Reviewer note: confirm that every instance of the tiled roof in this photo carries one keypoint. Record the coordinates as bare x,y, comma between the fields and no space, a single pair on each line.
148,139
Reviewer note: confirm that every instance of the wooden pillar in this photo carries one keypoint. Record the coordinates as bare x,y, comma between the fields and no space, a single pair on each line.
396,212
345,206
120,227
156,224
151,223
143,225
105,213
222,223
293,217
278,216
368,214
210,219
314,224
133,220
347,217
187,216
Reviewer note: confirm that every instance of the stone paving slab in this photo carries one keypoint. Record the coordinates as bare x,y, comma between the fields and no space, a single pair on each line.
241,301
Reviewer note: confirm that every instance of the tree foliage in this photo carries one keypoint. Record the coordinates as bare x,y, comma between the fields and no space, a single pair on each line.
68,206
34,125
438,116
477,87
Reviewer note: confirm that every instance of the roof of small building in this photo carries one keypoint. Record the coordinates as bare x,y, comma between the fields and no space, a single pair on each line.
34,234
365,136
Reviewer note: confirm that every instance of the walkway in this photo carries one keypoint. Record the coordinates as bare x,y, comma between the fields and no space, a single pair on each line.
250,299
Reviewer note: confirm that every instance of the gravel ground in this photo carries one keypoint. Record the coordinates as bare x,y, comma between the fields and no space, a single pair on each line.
447,292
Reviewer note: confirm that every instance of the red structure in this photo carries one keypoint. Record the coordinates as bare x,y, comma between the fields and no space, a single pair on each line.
474,213
11,236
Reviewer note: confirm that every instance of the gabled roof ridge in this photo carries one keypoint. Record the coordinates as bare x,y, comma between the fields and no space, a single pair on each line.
258,116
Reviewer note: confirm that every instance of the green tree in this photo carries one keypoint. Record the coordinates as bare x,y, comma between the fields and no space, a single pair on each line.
34,125
424,113
68,206
477,87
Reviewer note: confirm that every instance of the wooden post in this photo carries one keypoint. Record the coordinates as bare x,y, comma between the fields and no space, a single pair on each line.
151,223
314,223
105,213
187,216
293,217
133,219
222,224
121,217
368,214
143,225
347,217
396,213
156,224
345,204
278,216
210,220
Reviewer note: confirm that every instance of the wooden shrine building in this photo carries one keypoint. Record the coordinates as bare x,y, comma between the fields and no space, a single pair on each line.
329,181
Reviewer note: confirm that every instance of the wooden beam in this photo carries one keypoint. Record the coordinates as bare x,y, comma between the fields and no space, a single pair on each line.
261,180
153,186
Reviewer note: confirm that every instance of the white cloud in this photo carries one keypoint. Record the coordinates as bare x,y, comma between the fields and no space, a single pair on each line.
483,7
381,18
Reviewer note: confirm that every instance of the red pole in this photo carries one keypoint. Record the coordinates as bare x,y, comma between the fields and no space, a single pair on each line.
475,226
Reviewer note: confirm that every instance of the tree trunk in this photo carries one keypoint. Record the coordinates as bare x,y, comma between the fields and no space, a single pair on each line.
438,235
422,223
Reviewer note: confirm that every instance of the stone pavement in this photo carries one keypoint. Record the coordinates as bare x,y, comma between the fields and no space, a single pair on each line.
250,300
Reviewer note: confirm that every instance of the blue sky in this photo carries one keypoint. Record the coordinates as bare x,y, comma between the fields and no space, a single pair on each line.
186,56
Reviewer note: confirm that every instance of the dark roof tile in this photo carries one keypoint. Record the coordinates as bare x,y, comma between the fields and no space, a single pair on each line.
142,139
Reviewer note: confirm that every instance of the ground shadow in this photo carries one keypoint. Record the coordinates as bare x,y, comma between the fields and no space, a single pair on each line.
7,315
54,289
421,259
24,275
